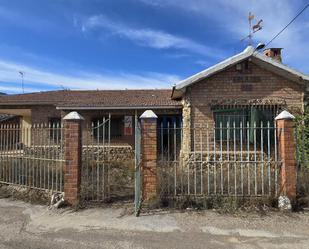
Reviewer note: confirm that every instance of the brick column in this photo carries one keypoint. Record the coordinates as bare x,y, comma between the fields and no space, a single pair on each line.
186,124
287,150
149,154
72,157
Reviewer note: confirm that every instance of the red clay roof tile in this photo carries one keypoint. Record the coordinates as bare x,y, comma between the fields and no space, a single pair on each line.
94,98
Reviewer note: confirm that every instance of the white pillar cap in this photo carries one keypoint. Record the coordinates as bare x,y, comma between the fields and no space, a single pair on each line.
73,116
148,114
284,115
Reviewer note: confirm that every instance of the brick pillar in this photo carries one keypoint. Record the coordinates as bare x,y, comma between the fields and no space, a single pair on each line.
186,124
287,150
72,157
149,154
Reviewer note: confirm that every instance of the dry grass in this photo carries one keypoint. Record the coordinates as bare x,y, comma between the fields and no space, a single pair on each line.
108,181
25,194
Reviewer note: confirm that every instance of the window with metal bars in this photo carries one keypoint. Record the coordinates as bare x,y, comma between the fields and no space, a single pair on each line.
100,128
230,123
227,119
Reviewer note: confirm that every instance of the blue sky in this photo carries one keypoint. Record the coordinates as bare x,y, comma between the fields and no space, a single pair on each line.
118,44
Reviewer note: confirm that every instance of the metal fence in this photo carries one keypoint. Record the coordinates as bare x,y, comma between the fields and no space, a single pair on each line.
227,160
32,156
106,176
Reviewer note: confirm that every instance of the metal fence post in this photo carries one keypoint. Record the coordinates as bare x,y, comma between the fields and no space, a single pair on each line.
137,189
149,154
287,150
72,157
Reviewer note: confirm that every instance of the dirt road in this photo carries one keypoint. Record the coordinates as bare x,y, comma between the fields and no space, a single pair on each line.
23,225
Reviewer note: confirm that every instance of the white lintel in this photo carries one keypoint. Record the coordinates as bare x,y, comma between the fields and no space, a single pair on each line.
285,115
148,114
73,116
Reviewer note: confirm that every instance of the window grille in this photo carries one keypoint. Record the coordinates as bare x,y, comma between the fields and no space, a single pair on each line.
258,116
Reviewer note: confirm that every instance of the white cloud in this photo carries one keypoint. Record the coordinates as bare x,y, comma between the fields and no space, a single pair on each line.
232,15
148,37
231,18
81,80
17,89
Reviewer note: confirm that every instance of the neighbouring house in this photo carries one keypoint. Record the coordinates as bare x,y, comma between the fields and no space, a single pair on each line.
122,107
248,87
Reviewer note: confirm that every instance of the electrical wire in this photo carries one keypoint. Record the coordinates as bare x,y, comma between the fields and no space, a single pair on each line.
287,25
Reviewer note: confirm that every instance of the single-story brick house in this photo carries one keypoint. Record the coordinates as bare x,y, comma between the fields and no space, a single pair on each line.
249,86
245,86
121,106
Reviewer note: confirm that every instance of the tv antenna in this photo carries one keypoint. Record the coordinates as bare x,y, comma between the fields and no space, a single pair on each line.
22,74
252,28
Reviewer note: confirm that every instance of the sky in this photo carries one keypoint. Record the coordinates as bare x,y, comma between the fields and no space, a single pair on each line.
119,44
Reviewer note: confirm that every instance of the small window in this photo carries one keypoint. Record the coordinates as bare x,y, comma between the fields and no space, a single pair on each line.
101,128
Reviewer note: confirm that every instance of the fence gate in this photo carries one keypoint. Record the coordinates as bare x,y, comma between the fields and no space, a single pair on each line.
108,166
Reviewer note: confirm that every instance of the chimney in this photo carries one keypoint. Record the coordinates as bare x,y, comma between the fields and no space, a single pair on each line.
274,53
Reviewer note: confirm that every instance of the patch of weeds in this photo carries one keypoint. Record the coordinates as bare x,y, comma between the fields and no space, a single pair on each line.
153,203
77,207
227,205
25,194
219,204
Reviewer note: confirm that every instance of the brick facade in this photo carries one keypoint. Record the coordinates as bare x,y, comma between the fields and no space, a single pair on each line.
224,91
42,114
221,87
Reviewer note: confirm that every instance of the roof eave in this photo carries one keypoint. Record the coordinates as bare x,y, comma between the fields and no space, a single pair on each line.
26,104
216,68
178,93
117,107
290,72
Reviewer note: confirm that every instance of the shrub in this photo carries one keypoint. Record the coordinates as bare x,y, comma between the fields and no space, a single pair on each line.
302,134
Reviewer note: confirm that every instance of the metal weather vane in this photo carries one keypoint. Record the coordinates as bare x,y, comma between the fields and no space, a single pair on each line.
252,28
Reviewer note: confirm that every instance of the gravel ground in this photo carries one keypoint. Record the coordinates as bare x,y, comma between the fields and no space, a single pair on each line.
24,225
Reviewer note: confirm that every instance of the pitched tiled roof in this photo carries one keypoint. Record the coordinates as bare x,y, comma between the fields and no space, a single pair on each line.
95,98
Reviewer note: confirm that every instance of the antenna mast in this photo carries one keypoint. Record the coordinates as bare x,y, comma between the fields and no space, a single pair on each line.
22,80
250,18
